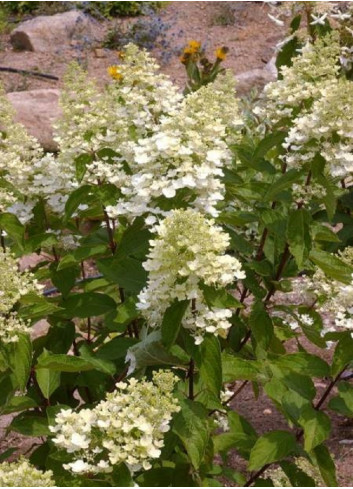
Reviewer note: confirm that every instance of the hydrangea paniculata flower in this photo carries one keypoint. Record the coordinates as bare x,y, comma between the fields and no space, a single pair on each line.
22,474
188,249
128,426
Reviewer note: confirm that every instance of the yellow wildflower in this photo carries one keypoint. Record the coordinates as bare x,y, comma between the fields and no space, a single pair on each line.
221,53
114,72
195,45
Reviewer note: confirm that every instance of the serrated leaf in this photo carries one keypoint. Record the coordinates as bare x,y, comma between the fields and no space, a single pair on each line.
151,352
219,298
77,197
64,363
211,365
191,426
261,325
343,354
30,425
271,447
236,368
332,266
298,235
326,465
20,358
87,304
316,425
303,362
171,322
48,380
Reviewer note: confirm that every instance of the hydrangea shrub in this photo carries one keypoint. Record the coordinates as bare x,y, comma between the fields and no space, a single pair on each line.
188,248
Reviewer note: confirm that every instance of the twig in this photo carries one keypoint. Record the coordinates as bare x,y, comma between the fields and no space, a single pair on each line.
30,73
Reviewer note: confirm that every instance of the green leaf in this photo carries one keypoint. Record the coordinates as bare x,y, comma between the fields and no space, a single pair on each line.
87,304
64,280
29,424
12,226
48,380
236,368
19,403
302,384
284,182
261,325
116,348
135,240
343,354
269,141
20,358
326,465
64,363
298,235
332,266
241,436
103,365
286,54
303,362
7,453
127,272
219,298
296,476
172,320
151,352
126,312
121,476
78,196
211,364
343,403
35,307
81,163
272,447
316,425
191,426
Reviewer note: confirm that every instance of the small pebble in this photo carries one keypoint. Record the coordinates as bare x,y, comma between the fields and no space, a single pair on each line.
267,411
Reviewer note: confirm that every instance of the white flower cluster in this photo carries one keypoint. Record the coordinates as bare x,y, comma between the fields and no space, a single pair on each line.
11,326
189,249
128,109
315,104
334,297
326,129
26,172
141,135
129,426
22,474
14,284
302,82
186,152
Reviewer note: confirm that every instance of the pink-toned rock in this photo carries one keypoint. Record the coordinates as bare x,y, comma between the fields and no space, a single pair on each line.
37,110
48,33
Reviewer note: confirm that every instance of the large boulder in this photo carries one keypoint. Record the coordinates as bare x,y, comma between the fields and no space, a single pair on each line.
37,110
48,33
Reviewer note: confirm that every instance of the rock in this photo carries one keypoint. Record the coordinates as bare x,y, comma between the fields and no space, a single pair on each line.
100,53
256,78
271,67
37,110
48,33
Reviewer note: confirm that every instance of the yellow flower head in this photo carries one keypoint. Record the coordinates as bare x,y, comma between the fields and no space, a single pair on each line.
120,54
114,72
194,44
193,47
221,53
